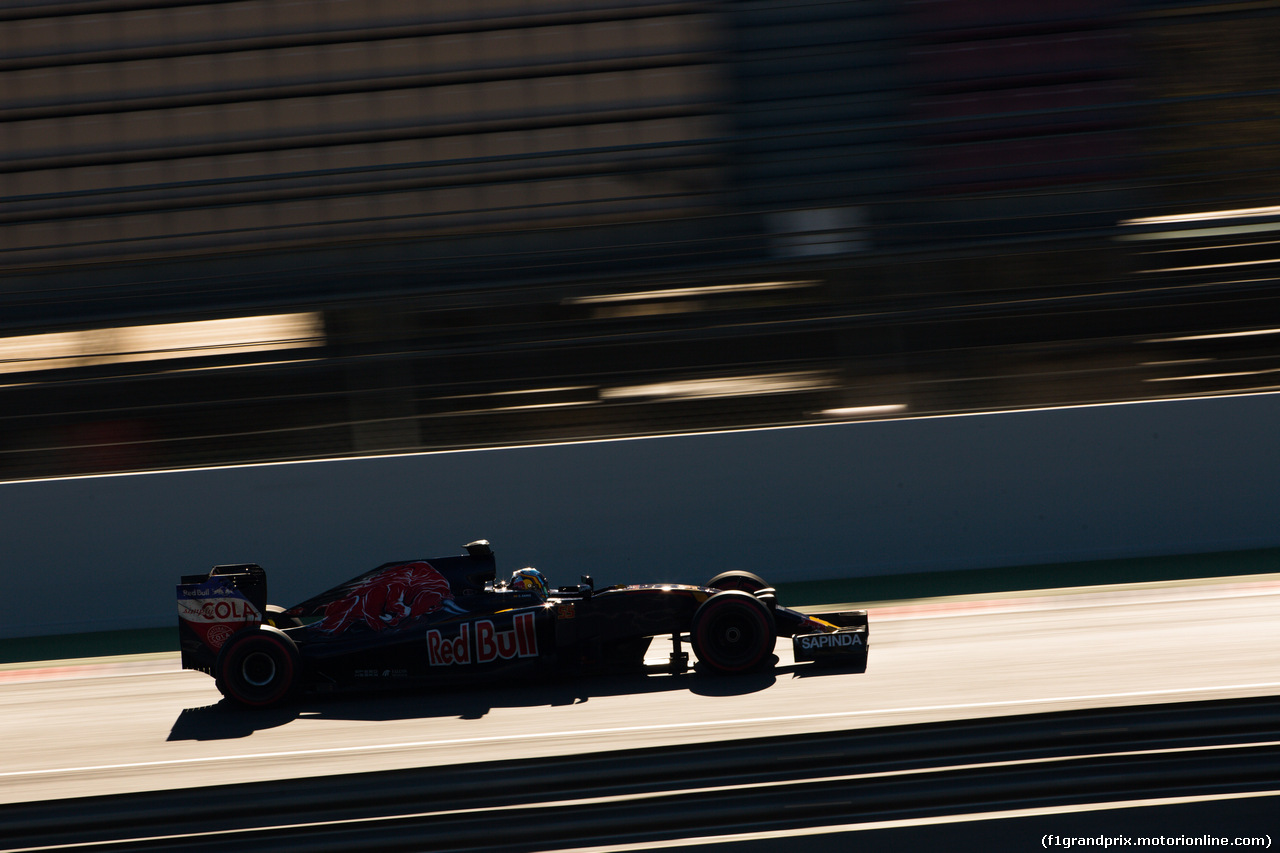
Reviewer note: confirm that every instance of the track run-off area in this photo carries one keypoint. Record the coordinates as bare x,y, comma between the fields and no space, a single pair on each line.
99,727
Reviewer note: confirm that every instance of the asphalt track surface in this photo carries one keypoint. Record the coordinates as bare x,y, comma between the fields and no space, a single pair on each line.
136,724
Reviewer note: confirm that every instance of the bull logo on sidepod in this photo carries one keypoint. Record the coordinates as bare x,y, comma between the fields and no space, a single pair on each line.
388,598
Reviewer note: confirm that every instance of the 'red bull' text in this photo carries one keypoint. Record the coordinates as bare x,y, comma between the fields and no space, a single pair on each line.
482,642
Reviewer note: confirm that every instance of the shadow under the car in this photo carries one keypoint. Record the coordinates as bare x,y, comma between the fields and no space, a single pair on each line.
226,720
810,670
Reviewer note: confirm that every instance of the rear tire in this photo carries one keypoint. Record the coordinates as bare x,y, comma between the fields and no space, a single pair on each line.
257,667
732,631
276,618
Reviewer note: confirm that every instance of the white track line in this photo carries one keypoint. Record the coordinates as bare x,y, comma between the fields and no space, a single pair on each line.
339,750
1042,811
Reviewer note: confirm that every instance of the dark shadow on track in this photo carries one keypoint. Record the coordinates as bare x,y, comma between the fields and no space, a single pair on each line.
227,721
809,670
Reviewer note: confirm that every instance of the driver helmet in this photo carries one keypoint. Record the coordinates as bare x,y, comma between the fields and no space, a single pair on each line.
529,579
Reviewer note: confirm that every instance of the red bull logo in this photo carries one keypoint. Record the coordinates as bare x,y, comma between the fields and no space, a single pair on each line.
483,642
388,598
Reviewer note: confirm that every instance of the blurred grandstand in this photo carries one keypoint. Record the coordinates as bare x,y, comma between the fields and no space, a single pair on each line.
261,230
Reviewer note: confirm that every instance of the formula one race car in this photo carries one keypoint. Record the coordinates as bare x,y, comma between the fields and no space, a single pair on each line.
450,620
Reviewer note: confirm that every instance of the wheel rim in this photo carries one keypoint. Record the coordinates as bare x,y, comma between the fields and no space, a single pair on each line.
734,638
258,669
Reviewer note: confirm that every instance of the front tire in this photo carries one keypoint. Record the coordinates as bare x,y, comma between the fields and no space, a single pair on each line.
258,667
738,579
733,631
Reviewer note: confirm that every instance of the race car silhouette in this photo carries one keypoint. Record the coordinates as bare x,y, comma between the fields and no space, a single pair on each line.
449,620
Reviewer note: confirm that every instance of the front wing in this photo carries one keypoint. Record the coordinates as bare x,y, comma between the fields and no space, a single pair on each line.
848,646
843,642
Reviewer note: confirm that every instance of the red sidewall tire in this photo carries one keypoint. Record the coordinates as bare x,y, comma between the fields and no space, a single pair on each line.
732,631
257,667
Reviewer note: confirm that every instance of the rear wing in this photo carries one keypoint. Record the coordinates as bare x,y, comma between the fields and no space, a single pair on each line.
214,606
